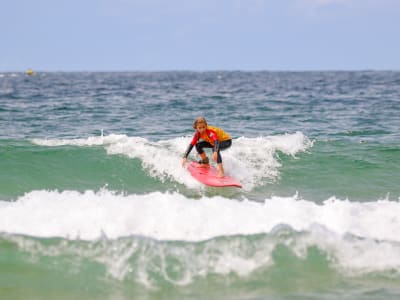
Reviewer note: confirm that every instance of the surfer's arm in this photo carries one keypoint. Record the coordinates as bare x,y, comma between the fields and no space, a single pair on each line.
215,150
216,145
213,135
184,159
191,145
189,148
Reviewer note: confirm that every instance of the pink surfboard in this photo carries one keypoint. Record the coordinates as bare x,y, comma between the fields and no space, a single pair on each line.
208,176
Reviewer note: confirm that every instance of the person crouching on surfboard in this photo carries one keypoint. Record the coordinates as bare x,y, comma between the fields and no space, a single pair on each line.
208,137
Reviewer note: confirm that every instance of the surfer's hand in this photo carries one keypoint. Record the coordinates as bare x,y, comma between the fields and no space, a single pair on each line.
214,156
184,161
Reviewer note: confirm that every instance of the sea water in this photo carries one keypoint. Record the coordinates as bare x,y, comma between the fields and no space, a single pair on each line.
94,202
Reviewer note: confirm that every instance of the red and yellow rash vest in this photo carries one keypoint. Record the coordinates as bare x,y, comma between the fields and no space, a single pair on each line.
212,135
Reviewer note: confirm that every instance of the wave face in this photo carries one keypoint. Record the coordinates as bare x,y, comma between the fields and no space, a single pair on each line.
251,160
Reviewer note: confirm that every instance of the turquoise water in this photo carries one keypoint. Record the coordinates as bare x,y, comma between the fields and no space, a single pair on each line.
94,202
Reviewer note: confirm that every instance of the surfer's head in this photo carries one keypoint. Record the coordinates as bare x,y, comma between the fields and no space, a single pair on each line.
200,124
198,121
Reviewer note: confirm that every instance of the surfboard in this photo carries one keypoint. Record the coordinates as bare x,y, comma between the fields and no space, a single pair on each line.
208,176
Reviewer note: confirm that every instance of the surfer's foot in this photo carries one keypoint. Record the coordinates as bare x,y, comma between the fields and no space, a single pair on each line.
204,162
220,175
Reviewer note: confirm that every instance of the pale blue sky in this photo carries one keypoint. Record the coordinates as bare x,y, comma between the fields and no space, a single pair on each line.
93,35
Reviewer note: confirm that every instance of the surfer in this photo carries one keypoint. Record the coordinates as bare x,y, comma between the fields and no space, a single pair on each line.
208,137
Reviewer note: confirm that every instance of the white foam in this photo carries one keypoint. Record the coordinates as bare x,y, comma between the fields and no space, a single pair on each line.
356,237
90,141
172,216
250,160
254,159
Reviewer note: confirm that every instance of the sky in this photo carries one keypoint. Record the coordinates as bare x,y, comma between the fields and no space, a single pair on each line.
199,35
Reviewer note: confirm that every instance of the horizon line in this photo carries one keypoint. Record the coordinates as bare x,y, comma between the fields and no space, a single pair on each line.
201,71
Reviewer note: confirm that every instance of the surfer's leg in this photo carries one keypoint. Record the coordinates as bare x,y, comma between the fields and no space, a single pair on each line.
200,151
204,159
223,145
221,172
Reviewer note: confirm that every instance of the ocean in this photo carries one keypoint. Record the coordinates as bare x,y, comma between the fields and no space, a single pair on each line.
95,204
